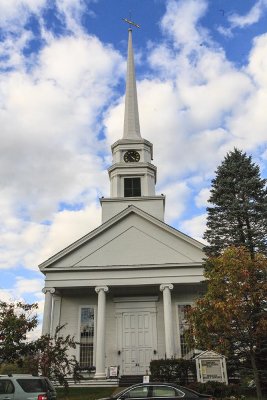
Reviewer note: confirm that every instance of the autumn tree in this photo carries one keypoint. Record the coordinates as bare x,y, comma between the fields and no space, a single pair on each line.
53,359
17,320
47,354
231,317
238,212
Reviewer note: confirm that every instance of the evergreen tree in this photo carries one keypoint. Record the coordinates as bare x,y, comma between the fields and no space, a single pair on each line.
238,215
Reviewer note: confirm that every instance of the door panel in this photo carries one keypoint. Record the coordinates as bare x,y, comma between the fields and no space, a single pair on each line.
137,339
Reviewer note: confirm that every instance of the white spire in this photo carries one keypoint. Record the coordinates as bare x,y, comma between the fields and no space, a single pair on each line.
131,128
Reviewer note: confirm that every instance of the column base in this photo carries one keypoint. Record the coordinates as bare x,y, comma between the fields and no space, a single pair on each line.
100,375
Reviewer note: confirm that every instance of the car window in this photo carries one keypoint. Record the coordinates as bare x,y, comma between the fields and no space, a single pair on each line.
137,392
190,393
166,391
32,385
6,386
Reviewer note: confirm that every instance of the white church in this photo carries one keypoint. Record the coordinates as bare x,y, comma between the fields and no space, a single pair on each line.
123,289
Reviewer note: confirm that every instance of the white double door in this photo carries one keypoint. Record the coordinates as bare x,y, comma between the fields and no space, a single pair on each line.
137,350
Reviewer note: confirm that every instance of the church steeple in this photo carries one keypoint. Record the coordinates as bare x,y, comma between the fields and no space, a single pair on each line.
131,128
132,174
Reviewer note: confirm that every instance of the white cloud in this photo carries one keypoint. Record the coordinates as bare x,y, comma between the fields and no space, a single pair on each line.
50,156
227,32
258,61
177,195
196,104
6,295
14,14
202,197
67,227
55,124
194,107
243,21
24,285
253,16
71,11
249,120
194,227
18,11
31,243
181,21
22,288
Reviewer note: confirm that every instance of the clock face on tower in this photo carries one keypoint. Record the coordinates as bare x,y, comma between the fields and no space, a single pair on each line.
131,156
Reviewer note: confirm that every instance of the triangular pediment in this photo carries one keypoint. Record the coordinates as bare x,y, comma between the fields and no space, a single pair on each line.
132,238
134,247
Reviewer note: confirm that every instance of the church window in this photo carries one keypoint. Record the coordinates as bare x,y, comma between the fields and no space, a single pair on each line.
87,332
183,326
132,187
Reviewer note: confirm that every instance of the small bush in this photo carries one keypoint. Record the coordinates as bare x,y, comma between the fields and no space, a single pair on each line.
216,389
173,370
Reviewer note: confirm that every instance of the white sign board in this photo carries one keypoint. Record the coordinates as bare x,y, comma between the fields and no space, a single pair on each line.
113,372
211,367
211,370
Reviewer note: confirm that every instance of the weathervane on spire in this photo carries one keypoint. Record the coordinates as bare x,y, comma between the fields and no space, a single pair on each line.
131,22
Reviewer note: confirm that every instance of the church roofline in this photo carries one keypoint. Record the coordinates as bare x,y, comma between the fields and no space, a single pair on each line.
106,225
191,264
126,199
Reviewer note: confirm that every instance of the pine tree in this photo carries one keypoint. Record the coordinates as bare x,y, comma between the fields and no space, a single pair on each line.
238,215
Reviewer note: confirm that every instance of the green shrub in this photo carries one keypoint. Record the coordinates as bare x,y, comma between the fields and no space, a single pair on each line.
217,389
173,370
9,368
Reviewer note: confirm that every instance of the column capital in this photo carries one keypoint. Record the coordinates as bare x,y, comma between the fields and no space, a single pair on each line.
166,285
49,290
100,288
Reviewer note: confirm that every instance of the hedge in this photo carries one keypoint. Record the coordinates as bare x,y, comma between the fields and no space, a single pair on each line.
173,370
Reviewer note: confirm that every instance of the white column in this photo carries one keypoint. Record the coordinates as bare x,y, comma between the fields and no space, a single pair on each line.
167,306
47,310
100,332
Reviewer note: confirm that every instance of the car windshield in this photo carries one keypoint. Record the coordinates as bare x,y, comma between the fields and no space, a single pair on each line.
137,392
32,385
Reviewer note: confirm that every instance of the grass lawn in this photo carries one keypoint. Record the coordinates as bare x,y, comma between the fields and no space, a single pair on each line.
85,393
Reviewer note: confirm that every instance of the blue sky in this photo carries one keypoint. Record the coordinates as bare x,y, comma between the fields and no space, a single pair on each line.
202,88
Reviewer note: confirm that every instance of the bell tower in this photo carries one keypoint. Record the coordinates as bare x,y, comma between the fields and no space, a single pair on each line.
132,174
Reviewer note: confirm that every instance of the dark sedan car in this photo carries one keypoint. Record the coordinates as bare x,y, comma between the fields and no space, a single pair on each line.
158,391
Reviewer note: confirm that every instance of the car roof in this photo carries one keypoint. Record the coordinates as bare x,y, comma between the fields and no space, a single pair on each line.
156,383
21,376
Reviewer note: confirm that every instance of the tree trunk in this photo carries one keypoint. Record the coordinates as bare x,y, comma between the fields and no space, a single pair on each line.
256,375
